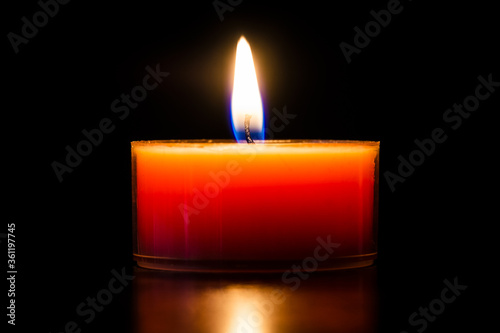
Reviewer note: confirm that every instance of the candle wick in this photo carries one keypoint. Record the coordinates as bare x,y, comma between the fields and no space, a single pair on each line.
247,128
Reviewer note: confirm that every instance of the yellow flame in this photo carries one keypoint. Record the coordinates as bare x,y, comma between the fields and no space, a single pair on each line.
246,96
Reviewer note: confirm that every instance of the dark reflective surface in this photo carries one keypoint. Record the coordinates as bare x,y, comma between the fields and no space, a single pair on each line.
339,301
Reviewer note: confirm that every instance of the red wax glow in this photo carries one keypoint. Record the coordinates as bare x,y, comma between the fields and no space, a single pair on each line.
226,202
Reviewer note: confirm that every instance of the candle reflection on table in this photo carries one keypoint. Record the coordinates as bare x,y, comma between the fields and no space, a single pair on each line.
338,301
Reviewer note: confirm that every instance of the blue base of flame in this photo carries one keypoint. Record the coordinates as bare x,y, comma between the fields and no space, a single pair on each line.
241,138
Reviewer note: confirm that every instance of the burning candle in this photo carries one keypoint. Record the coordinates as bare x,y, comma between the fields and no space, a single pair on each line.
230,206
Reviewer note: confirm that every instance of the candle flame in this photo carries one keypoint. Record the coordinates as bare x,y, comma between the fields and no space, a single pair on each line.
246,96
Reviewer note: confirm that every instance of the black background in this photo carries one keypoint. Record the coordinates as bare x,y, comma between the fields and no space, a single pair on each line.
439,224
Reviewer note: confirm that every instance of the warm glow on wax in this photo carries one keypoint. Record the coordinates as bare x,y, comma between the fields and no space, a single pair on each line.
246,96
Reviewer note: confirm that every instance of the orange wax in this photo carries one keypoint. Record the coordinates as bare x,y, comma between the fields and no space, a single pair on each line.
200,205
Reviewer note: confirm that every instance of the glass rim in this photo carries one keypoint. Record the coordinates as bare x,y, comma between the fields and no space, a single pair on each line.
194,142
